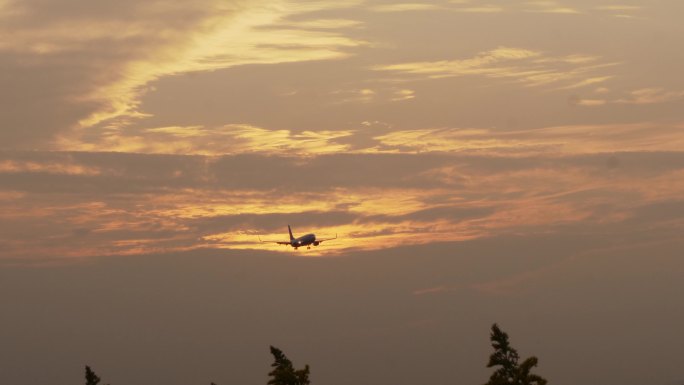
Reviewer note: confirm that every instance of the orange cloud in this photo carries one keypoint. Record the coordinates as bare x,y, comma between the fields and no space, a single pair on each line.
366,201
352,237
457,201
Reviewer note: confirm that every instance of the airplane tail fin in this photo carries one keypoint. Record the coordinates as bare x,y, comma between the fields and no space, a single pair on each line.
290,231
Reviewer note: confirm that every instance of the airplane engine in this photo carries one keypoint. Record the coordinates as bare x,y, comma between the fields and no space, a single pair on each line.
316,243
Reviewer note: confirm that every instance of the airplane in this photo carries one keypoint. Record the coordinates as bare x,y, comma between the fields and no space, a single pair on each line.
305,240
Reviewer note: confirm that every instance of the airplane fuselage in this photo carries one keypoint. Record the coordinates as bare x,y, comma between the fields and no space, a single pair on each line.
304,240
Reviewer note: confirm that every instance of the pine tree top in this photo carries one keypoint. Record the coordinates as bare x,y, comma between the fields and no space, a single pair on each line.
507,358
90,376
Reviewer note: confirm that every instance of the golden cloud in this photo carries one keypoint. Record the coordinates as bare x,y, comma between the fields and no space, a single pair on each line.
619,7
478,65
143,42
352,237
245,139
13,166
222,42
592,102
368,202
486,8
581,139
529,67
588,82
643,96
369,95
228,139
549,6
651,96
542,6
405,7
403,94
623,11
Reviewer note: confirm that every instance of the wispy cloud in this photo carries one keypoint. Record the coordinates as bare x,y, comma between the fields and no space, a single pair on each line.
588,82
619,7
481,6
403,94
434,290
363,95
651,96
247,139
325,24
228,139
67,168
620,10
374,95
228,42
133,44
478,65
530,67
405,7
485,8
591,102
643,96
549,6
581,139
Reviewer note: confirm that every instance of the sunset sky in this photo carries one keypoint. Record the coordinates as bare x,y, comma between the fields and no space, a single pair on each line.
519,162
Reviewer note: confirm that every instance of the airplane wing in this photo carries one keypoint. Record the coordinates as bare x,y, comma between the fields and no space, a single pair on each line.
278,242
326,239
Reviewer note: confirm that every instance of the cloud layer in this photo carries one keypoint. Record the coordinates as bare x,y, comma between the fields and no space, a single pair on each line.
79,204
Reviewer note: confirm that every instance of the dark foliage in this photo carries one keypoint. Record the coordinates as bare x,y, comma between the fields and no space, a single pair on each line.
283,372
90,376
510,372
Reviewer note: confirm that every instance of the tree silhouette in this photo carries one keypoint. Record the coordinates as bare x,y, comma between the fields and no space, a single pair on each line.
283,372
90,376
510,372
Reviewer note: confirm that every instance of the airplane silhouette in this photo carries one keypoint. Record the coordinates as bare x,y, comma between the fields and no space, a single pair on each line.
305,240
